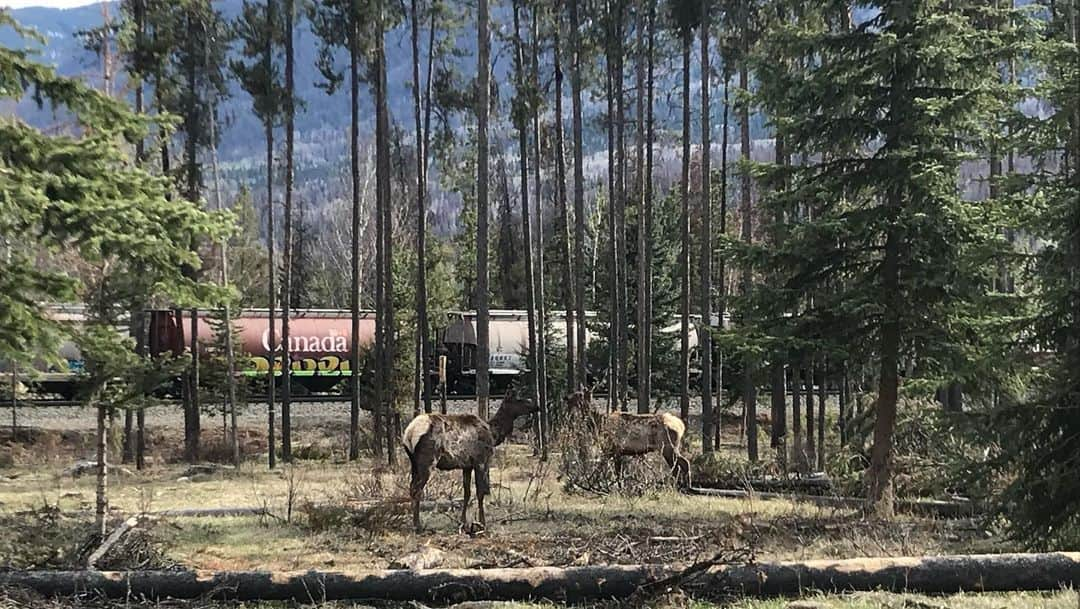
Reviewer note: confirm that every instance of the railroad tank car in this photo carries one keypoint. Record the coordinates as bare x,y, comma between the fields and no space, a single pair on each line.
319,341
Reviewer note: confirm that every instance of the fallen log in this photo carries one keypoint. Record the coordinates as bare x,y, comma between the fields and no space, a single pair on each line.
219,512
447,586
932,575
926,575
924,507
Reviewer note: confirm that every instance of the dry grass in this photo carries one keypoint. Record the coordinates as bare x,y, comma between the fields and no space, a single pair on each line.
531,518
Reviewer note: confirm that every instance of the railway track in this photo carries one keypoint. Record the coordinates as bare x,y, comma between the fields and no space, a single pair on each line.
60,403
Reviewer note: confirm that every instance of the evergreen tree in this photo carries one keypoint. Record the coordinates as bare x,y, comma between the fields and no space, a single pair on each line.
82,191
883,116
1039,433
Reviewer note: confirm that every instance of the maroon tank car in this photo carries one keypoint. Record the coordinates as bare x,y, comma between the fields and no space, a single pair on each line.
319,342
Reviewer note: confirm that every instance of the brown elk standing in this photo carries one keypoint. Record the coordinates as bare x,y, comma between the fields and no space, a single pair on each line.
459,441
624,434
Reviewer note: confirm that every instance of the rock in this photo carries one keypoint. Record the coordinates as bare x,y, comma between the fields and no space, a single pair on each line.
426,557
804,605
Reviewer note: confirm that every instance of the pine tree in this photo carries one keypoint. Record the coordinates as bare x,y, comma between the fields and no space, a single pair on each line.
261,36
339,24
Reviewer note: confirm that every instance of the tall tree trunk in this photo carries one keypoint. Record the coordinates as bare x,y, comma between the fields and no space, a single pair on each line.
569,277
642,322
620,209
230,355
521,113
541,339
879,493
191,170
133,439
483,71
422,354
749,388
721,310
286,262
382,129
648,209
705,329
778,383
684,228
579,192
354,238
268,63
613,273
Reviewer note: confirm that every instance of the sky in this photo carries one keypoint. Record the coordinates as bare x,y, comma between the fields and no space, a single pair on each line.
50,3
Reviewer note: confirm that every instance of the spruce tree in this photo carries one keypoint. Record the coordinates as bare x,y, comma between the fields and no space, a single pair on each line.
884,114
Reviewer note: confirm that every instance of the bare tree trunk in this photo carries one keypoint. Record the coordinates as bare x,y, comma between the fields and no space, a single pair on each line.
569,279
579,192
705,330
230,356
422,354
286,263
521,112
822,376
642,321
271,382
612,162
811,422
354,240
483,71
382,127
648,197
749,387
102,507
543,419
797,454
620,210
684,227
845,405
722,308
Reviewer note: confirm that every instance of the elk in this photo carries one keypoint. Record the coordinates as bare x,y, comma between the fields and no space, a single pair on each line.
624,434
459,441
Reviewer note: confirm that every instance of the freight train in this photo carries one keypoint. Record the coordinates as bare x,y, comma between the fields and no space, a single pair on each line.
319,346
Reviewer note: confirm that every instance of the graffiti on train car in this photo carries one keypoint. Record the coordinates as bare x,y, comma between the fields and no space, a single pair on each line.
325,365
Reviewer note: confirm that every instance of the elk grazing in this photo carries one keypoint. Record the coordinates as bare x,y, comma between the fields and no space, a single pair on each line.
624,434
459,441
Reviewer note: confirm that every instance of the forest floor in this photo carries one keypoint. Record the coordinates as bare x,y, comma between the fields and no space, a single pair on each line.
324,513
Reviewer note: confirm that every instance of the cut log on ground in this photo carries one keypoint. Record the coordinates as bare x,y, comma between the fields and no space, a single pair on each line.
111,540
932,575
924,507
220,512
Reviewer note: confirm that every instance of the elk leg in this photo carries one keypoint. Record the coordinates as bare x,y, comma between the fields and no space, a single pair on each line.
483,487
618,470
420,475
466,478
